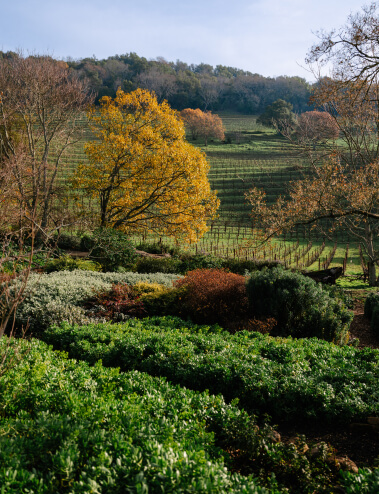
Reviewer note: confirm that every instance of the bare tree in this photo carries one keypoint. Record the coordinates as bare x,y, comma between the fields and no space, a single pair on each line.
163,84
353,49
40,104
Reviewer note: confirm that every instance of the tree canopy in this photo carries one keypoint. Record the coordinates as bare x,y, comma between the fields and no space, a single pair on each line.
142,171
204,124
277,114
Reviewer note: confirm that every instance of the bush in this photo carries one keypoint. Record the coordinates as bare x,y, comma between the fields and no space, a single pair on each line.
214,296
112,249
67,428
375,320
158,248
300,306
116,304
165,302
68,291
67,263
297,381
155,265
190,262
371,302
67,241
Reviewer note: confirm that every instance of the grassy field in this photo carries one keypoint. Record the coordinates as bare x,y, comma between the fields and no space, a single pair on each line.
253,155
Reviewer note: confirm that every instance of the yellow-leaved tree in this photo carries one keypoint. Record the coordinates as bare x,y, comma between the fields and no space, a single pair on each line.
144,174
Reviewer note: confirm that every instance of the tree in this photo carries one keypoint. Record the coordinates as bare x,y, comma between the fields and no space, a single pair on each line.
316,127
40,103
204,124
353,49
348,198
354,108
276,114
144,174
343,192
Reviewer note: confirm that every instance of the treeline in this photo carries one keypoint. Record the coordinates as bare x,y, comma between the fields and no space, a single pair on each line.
191,86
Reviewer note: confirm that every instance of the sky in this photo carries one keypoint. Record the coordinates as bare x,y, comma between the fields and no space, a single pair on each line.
268,37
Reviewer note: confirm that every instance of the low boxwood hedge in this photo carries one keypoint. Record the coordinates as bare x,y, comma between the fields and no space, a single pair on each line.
68,428
292,380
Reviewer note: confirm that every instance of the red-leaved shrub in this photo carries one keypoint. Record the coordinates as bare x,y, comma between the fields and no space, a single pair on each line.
214,296
116,304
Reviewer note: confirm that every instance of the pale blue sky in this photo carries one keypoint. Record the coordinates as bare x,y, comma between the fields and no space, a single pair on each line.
269,37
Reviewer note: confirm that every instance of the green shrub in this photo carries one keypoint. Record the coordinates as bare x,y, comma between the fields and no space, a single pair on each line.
155,265
365,482
67,263
214,296
158,248
240,266
375,320
371,302
300,305
190,262
165,302
67,241
66,428
291,380
112,249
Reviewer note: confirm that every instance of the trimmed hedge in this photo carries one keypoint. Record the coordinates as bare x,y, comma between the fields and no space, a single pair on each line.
292,380
69,428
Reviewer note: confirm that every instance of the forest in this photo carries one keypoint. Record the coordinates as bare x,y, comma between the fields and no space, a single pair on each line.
191,86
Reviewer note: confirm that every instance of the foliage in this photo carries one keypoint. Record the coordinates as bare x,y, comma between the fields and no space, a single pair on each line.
51,298
278,113
143,287
68,428
292,380
372,300
300,305
165,302
67,241
112,249
142,170
371,310
68,263
118,303
158,248
203,124
365,482
214,296
158,265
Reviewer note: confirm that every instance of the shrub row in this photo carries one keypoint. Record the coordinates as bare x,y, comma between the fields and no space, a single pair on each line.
69,428
292,380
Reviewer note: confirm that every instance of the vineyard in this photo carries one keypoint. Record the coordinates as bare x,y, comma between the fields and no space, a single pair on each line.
252,154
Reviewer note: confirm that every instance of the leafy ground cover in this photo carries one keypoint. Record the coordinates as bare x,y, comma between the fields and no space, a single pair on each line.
68,427
291,380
